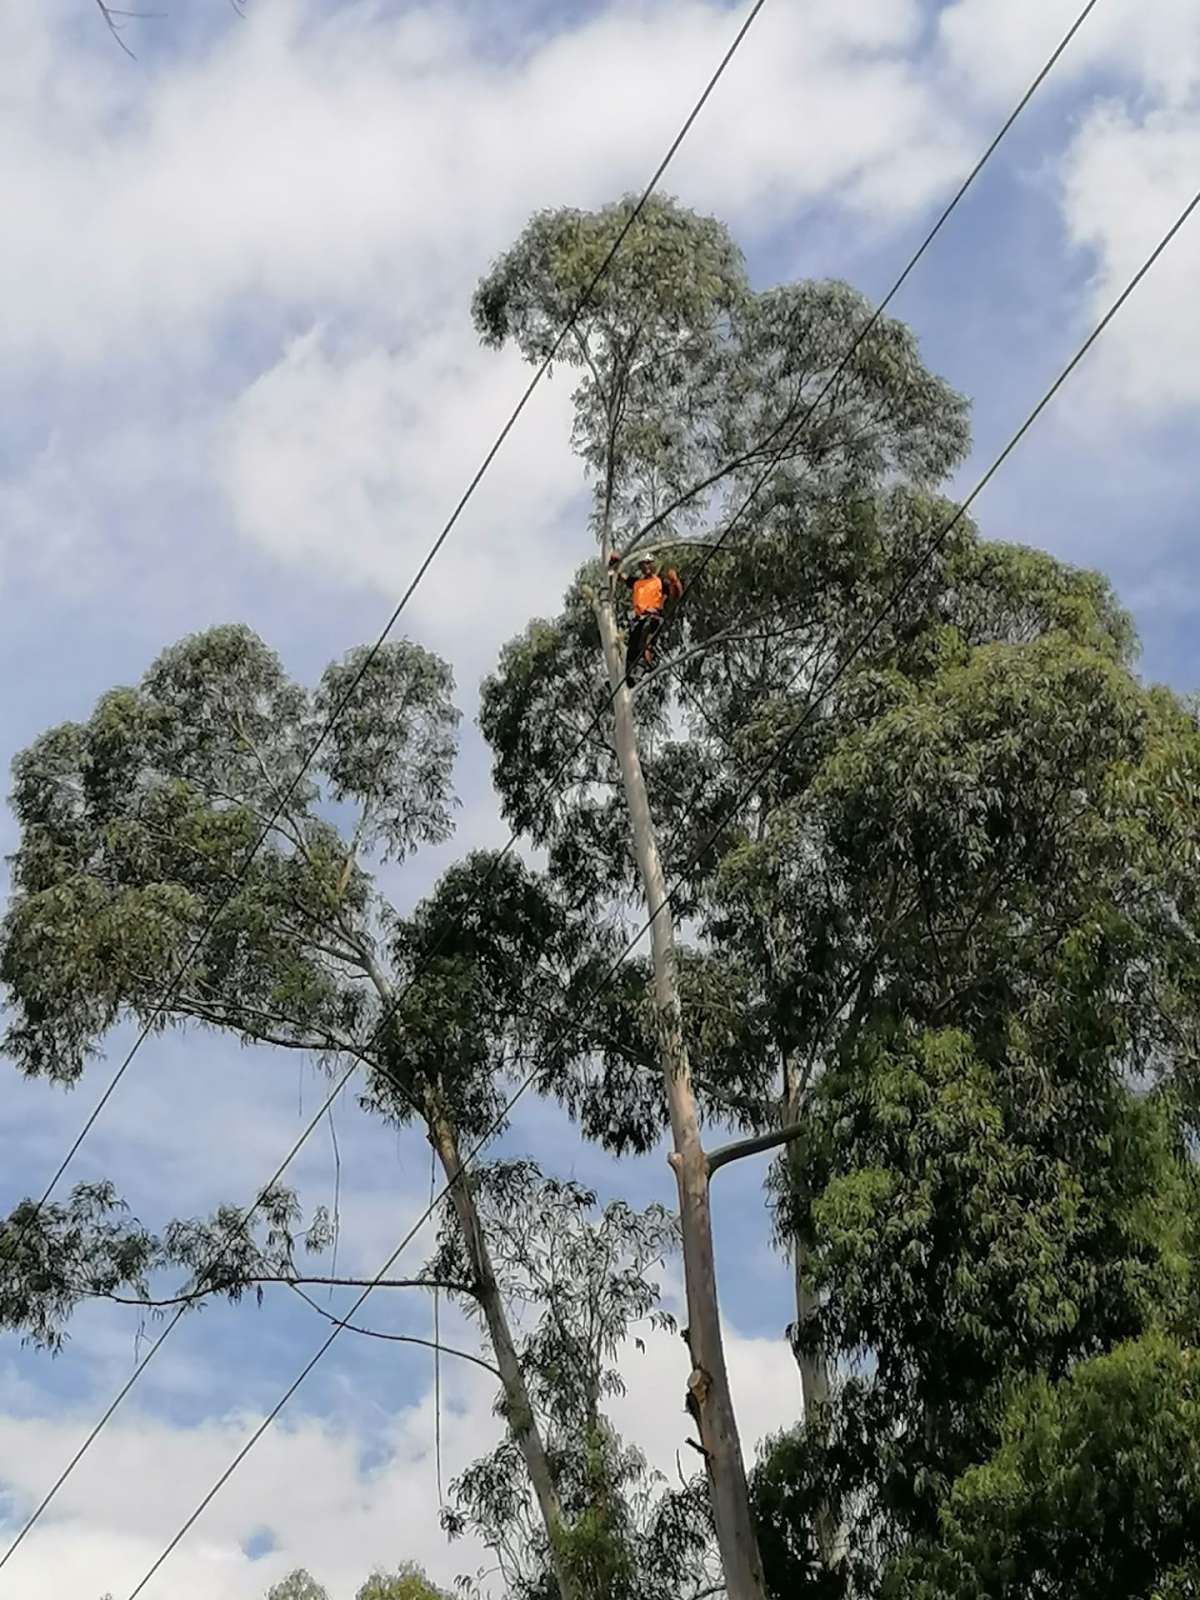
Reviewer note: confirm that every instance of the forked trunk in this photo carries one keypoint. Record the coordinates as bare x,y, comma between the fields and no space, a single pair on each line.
521,1419
709,1399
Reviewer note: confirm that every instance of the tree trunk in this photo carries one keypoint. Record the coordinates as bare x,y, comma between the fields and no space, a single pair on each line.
814,1370
521,1419
709,1399
815,1384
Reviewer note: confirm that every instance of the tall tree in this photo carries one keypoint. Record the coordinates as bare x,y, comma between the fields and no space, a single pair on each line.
689,386
407,1582
986,966
136,830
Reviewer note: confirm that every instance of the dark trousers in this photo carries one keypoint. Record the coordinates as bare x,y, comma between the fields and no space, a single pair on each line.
641,638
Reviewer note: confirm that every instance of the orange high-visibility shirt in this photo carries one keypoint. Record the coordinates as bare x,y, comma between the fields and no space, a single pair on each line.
647,595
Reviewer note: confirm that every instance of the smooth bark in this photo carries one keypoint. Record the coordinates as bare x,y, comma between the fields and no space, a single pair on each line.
519,1408
709,1399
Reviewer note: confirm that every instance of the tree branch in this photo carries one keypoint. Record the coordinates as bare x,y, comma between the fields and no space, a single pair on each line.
397,1338
240,1017
752,1147
587,356
191,1295
114,27
707,482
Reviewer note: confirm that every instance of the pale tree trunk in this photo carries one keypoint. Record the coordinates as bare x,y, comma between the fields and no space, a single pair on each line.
709,1399
815,1384
521,1419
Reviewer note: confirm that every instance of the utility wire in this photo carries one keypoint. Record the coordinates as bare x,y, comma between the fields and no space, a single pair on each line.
334,716
552,783
871,322
339,708
773,760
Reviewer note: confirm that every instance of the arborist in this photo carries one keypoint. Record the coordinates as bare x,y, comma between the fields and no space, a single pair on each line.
650,595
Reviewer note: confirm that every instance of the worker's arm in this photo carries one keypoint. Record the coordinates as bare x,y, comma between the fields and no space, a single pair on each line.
614,566
674,587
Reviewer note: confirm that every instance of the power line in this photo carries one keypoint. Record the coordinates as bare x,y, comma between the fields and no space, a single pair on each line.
809,410
781,750
335,714
551,784
340,707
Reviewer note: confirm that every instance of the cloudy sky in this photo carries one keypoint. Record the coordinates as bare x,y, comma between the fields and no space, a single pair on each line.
240,383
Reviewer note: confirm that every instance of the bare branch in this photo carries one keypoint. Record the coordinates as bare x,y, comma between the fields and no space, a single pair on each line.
114,27
397,1338
752,1147
191,1295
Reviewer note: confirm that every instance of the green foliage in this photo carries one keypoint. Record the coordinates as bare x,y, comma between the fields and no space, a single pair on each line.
646,347
689,382
136,825
973,936
488,966
297,1585
586,1281
686,382
971,1222
55,1255
408,1582
389,750
788,1492
1093,1491
956,931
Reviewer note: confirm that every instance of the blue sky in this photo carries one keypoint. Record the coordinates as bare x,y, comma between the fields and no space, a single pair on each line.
241,383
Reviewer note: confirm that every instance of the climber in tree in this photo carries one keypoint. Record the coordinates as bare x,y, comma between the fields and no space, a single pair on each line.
650,594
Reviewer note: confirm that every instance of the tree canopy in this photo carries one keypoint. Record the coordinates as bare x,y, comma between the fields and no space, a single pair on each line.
939,961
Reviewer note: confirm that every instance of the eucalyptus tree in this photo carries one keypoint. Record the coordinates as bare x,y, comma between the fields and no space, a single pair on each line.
690,388
138,829
969,913
407,1582
585,1283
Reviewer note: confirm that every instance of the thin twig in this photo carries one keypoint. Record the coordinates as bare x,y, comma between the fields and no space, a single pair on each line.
114,27
191,1295
395,1338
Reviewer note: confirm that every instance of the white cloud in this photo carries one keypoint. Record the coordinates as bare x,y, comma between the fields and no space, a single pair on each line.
1126,179
1128,169
997,46
279,233
338,1497
352,463
358,158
